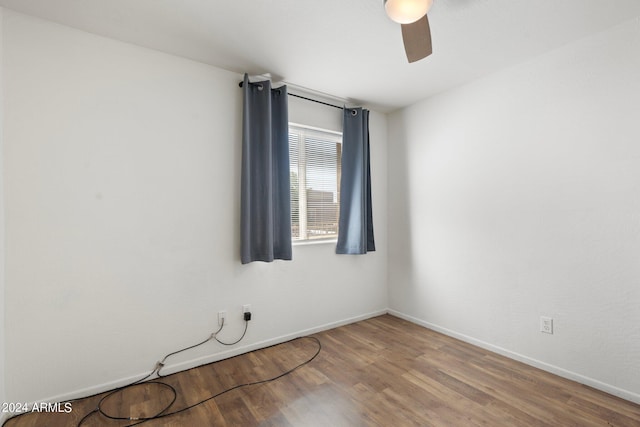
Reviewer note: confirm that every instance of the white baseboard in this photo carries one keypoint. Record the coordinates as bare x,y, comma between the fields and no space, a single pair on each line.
591,382
182,366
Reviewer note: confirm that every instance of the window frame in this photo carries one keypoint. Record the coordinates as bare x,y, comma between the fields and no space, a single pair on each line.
330,136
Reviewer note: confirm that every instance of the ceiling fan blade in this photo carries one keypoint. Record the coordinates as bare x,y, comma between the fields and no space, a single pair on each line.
417,39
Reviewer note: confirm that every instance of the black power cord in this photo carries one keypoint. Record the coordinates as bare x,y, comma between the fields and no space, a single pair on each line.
159,365
164,414
156,370
99,410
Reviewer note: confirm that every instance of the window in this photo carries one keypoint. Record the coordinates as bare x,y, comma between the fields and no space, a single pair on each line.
315,157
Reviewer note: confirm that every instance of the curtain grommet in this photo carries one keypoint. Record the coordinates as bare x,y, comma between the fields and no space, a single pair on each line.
354,112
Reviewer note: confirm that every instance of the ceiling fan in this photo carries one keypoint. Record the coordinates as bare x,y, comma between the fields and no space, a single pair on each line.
416,34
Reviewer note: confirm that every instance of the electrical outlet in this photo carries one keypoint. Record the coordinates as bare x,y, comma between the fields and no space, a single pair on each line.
222,316
546,325
246,308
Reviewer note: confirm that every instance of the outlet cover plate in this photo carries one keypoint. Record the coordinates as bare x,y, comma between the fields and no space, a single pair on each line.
546,325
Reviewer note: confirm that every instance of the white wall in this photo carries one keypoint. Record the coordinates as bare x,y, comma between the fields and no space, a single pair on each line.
2,345
121,193
522,196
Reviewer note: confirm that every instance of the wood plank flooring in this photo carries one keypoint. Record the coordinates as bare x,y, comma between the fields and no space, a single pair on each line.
379,372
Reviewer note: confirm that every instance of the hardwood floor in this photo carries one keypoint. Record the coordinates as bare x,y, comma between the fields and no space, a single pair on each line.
379,372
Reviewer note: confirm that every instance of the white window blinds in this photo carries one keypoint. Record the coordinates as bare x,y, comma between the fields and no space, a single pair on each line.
315,167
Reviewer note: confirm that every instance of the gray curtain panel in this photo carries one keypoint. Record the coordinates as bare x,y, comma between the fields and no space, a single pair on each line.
265,223
355,226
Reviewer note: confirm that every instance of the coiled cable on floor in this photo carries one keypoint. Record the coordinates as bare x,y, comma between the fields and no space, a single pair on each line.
159,365
163,414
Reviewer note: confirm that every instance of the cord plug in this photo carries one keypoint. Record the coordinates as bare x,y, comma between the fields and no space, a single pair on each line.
247,316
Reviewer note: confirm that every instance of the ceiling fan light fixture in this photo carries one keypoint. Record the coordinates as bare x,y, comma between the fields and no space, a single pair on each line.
407,11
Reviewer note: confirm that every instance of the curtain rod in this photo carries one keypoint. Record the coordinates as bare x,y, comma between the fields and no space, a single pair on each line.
304,97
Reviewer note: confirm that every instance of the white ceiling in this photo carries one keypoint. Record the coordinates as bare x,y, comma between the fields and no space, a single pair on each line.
348,49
